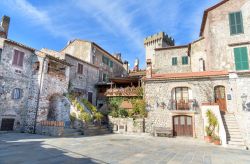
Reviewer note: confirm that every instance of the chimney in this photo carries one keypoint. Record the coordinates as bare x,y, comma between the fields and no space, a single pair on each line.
149,69
5,24
118,56
125,65
136,66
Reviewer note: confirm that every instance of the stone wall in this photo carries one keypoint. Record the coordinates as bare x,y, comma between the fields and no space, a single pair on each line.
161,92
218,38
86,81
12,77
126,125
164,57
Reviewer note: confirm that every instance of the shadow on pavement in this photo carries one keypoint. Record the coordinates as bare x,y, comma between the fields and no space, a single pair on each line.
28,148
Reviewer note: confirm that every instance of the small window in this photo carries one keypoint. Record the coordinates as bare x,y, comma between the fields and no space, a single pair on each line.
184,60
174,61
111,64
105,77
80,68
105,60
236,23
17,93
1,54
18,58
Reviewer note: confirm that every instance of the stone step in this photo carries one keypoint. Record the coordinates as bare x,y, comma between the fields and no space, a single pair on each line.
240,147
96,133
72,134
233,136
235,139
240,143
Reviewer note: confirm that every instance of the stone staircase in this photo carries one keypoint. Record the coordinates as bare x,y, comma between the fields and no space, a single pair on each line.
93,130
234,137
68,132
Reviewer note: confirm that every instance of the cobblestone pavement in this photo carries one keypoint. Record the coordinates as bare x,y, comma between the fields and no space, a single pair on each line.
28,148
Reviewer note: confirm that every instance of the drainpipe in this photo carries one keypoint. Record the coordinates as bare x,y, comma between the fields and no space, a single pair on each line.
38,95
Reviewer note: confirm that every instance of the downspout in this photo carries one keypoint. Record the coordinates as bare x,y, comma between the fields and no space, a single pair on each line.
38,95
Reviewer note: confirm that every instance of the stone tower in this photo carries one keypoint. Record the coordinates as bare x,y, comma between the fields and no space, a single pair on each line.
159,40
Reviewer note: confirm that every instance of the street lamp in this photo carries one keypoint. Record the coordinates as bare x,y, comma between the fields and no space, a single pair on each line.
244,100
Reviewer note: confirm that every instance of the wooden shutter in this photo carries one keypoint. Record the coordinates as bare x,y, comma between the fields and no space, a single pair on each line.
20,59
174,61
184,60
15,58
236,23
241,58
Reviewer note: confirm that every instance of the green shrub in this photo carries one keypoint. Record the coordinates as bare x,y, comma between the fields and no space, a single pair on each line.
89,105
72,117
212,123
114,113
123,113
98,116
139,108
84,116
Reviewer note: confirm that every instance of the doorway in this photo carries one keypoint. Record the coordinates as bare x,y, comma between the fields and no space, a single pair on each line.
220,97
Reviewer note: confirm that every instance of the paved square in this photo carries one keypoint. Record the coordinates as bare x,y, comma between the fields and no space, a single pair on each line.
28,148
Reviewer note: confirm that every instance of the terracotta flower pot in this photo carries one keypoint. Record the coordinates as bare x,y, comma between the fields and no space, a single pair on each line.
208,139
217,142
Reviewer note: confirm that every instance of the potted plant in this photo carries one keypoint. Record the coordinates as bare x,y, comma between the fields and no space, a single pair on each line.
208,137
212,123
216,140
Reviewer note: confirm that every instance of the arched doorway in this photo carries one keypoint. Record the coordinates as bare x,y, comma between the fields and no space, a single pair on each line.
220,97
182,125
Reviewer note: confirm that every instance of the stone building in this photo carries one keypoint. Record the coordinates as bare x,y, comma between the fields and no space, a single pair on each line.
211,72
83,75
31,85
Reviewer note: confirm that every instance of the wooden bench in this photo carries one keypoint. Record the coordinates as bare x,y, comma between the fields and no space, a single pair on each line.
161,130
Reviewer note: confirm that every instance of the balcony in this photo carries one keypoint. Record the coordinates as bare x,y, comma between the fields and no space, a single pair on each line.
124,92
184,105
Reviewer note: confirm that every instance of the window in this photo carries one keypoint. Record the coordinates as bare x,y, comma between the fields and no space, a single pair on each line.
18,58
111,64
105,77
105,60
17,93
1,54
241,58
80,68
236,23
174,61
184,60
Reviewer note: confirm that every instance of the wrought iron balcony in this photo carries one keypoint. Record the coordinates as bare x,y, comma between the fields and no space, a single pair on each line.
183,105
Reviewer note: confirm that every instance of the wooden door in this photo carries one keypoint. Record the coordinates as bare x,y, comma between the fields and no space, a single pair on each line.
90,95
220,97
183,126
7,124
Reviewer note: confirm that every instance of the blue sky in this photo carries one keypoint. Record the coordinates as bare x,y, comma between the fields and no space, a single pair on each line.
117,26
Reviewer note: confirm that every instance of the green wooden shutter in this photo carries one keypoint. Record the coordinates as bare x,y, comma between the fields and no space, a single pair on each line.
232,24
236,23
0,54
184,60
241,58
174,61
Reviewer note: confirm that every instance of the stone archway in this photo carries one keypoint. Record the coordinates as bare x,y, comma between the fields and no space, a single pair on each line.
59,108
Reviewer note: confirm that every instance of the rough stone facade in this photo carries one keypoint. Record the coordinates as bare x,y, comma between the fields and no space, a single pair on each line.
213,51
27,88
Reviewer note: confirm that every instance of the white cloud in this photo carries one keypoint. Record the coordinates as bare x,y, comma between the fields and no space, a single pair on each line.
36,16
